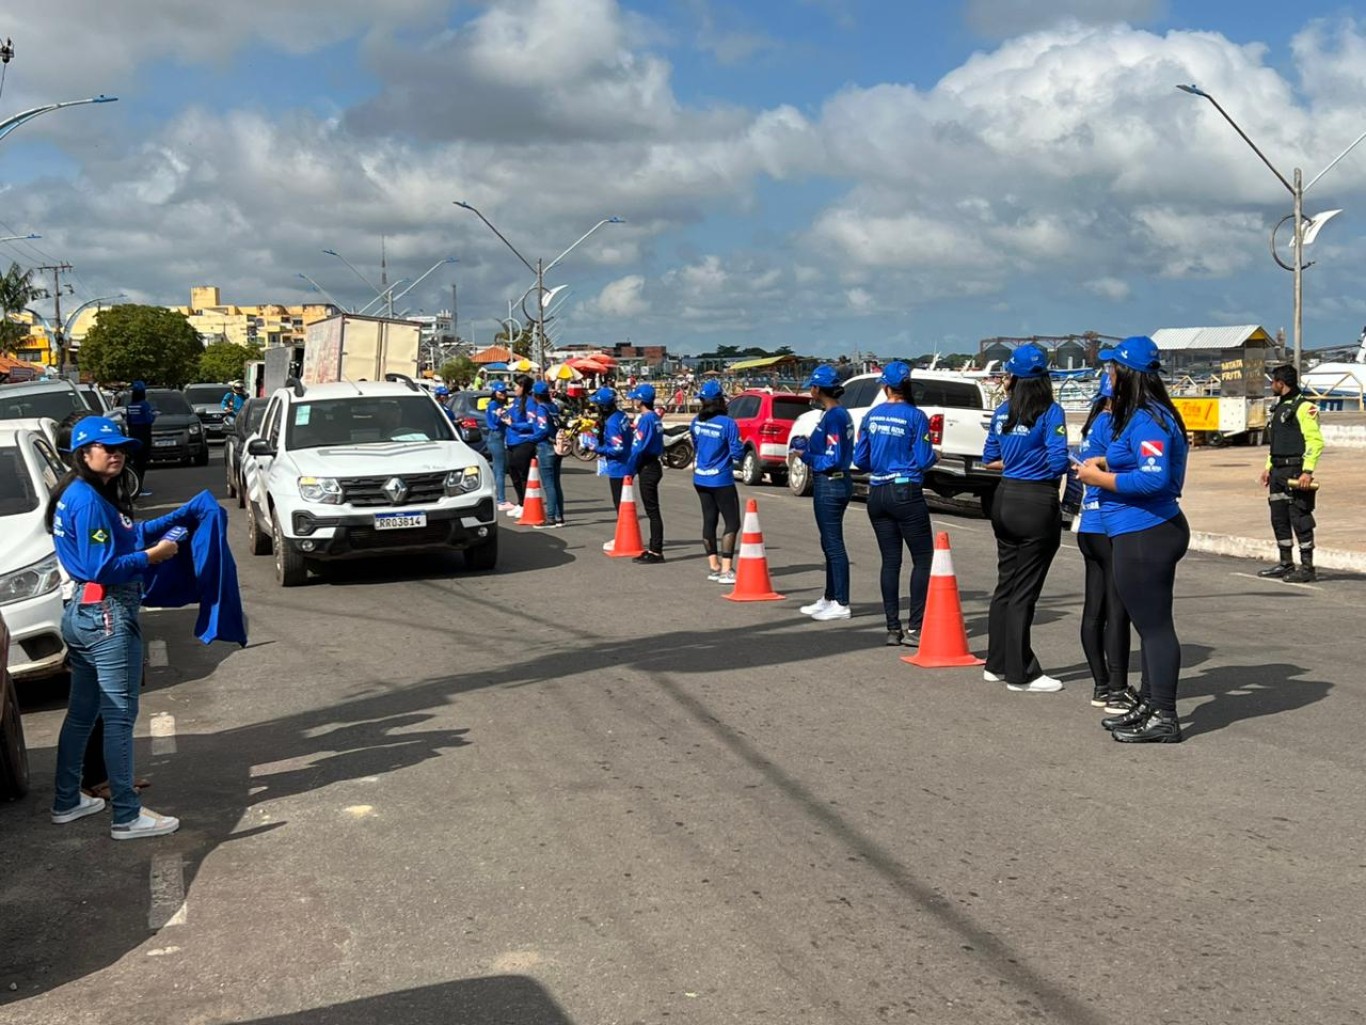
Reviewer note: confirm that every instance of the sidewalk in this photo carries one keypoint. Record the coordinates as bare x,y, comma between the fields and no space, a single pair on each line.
1228,515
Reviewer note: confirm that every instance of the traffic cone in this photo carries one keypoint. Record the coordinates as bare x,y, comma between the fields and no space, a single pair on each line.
751,572
627,542
533,504
943,636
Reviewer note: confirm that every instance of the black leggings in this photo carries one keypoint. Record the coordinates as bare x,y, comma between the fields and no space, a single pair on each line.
519,465
1027,519
719,504
1104,623
617,484
1145,575
648,476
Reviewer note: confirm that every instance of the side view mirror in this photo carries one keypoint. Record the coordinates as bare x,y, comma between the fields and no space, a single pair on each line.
260,447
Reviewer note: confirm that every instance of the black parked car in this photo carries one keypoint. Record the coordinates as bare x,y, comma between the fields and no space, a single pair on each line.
247,423
177,434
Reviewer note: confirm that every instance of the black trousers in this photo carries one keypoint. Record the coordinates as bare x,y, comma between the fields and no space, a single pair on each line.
1292,514
1104,623
1027,518
719,505
1145,576
519,465
143,453
899,516
648,476
617,484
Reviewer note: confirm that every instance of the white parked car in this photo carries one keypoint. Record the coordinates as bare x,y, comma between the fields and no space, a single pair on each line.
30,579
364,470
53,398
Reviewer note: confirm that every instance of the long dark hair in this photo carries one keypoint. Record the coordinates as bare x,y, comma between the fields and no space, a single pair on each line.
905,391
1135,390
712,407
1097,407
1030,398
523,383
836,390
118,492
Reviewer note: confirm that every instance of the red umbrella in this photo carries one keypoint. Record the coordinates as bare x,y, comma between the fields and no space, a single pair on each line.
585,365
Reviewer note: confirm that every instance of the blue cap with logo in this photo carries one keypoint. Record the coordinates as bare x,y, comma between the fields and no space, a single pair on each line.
824,376
604,396
642,393
442,390
1138,352
98,429
894,374
711,391
540,388
499,387
1027,361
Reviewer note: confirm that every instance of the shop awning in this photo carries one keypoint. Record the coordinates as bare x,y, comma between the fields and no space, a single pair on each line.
759,364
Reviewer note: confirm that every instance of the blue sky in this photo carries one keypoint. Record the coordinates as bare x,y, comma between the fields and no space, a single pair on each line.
829,174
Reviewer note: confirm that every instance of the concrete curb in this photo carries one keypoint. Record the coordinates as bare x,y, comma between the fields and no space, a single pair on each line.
1265,550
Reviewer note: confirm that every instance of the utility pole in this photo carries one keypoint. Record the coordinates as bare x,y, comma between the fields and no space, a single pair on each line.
58,334
384,277
455,315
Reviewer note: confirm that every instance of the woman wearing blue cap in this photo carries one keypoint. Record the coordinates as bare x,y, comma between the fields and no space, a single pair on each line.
894,447
647,445
521,448
716,441
539,428
1027,442
612,442
829,452
495,433
1140,476
90,514
1104,623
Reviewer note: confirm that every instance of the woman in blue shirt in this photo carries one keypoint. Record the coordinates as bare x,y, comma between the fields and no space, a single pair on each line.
716,441
105,554
1104,623
1027,442
521,449
539,429
1140,476
829,452
647,445
894,447
495,433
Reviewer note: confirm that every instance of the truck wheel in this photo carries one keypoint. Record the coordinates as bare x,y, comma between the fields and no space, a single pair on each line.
241,495
256,541
798,477
229,476
751,470
290,570
482,557
13,752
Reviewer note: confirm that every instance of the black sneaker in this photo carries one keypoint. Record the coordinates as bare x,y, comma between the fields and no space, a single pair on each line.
894,638
1120,702
1154,728
648,558
1126,720
1303,575
1277,572
1100,696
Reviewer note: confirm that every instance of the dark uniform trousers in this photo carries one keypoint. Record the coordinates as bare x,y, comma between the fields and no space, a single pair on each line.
1292,509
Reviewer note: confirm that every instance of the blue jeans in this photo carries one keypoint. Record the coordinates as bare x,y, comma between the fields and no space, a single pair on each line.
900,517
104,642
498,456
830,497
549,464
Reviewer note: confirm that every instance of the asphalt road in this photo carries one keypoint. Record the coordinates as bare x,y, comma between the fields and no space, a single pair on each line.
576,790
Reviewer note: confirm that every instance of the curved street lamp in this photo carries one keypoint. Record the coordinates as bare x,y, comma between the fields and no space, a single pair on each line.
14,121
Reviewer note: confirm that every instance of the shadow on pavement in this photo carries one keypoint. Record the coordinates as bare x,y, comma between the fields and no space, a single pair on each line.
1247,692
494,1000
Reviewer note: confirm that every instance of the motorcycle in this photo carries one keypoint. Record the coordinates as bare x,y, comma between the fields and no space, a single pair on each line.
678,446
580,428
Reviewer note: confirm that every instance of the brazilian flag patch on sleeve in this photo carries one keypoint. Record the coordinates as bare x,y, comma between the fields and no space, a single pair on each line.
99,536
1060,429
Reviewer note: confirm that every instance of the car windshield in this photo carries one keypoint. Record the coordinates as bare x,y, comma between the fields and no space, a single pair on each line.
256,412
366,421
164,400
17,493
203,394
92,398
57,403
789,409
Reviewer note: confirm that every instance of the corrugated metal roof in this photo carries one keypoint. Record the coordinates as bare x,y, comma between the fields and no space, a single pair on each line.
1182,339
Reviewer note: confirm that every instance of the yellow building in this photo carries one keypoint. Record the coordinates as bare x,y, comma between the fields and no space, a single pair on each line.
265,325
37,346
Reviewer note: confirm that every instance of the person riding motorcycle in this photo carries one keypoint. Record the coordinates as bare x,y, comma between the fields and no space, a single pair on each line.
235,398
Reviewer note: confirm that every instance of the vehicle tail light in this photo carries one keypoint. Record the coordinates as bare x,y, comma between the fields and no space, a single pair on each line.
773,429
937,429
470,423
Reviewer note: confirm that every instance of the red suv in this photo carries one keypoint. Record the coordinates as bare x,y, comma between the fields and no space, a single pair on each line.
765,418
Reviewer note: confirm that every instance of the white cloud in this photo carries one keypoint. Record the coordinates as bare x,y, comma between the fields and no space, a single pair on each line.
623,298
1109,288
1002,18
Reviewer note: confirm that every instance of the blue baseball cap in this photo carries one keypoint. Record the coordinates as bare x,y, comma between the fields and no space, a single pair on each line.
93,429
824,376
499,386
441,389
1027,361
1107,387
894,374
1138,352
540,388
711,390
604,396
643,393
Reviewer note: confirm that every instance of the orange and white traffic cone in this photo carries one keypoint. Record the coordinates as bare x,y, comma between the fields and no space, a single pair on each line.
751,571
627,542
944,635
533,504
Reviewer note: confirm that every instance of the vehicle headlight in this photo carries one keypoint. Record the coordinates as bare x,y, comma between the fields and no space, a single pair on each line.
323,490
31,581
462,482
194,429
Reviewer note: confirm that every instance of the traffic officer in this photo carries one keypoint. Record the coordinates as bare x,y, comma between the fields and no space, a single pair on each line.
495,433
716,441
139,416
828,453
647,445
894,447
443,399
1296,444
1027,442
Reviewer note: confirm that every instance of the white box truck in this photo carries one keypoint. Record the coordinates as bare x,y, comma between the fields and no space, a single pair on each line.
350,347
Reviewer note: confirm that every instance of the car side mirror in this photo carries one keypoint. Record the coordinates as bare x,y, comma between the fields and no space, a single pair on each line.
260,447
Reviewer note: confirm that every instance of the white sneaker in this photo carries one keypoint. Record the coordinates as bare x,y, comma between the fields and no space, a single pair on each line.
714,575
1038,685
609,546
515,512
87,806
832,611
147,824
991,677
505,506
725,578
820,605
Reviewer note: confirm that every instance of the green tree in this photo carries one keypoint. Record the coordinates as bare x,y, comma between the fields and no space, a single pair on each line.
459,371
225,361
149,343
17,292
521,342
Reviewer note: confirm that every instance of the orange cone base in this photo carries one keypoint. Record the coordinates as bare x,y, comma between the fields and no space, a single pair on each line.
770,596
628,554
942,662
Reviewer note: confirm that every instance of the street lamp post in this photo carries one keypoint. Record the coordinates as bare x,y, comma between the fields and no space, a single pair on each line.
20,238
14,121
540,271
1297,189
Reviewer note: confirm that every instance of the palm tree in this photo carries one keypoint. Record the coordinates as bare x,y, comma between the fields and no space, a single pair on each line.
17,291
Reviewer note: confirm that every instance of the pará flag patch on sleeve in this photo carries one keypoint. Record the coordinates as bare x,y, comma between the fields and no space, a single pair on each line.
1151,448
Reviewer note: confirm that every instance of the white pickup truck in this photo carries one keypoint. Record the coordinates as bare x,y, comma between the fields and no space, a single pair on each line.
363,470
959,409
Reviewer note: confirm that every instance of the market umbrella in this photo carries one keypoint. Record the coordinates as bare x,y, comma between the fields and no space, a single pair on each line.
495,366
522,366
588,366
563,372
